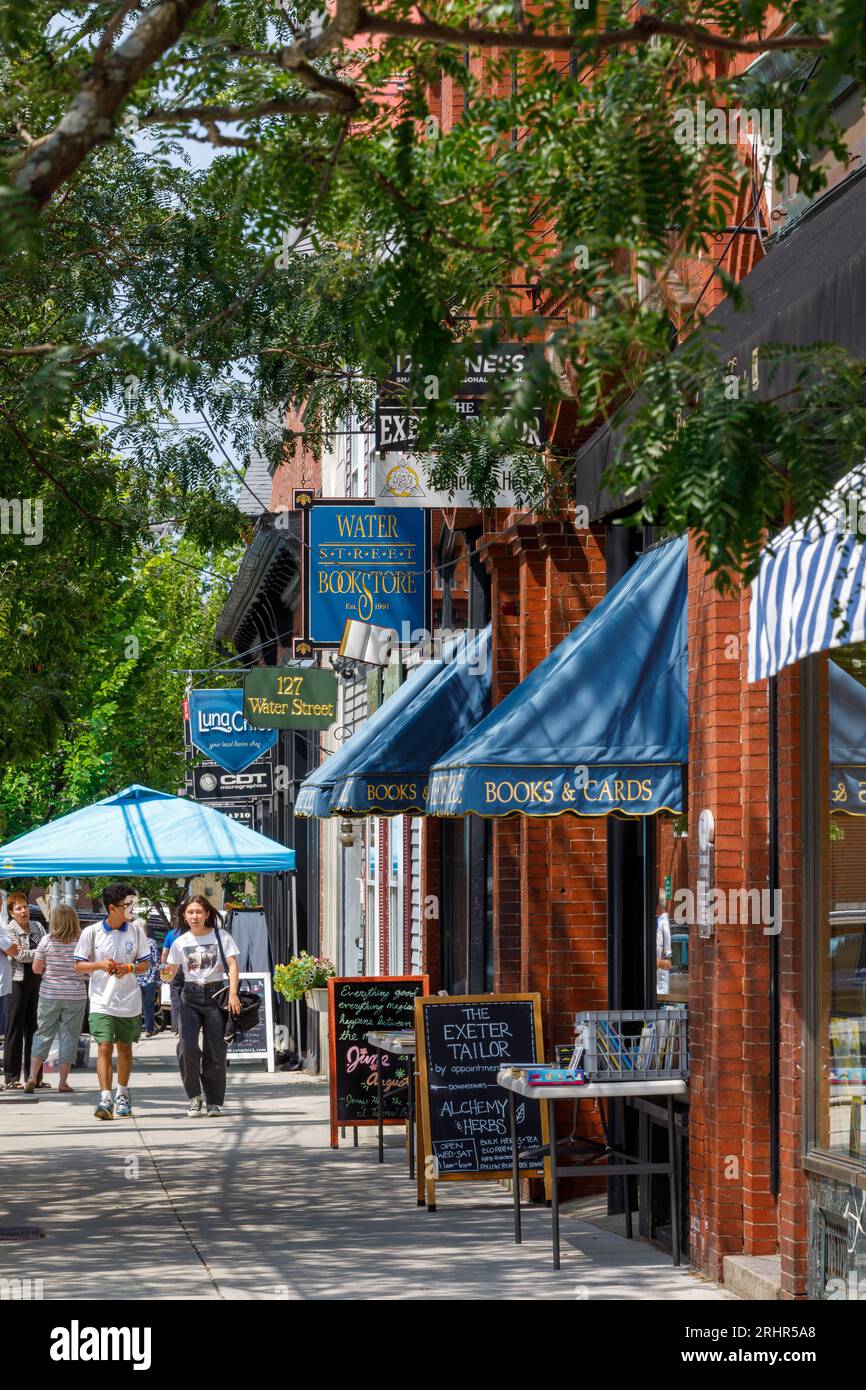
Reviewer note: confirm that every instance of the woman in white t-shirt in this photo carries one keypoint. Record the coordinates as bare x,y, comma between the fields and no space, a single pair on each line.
201,1049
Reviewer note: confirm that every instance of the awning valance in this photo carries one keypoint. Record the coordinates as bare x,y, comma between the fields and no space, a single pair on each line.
316,791
141,831
389,776
809,594
600,726
847,742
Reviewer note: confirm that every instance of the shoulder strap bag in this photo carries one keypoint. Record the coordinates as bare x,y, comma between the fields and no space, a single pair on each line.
250,1002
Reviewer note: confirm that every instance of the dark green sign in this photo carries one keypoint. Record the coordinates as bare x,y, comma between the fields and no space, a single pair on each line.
290,697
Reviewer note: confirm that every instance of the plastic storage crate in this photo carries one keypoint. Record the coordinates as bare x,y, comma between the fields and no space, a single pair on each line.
634,1044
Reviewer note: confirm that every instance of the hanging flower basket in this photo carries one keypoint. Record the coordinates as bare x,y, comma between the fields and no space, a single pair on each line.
317,1000
305,977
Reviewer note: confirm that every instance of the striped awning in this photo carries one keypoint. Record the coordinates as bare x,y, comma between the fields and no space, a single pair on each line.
810,592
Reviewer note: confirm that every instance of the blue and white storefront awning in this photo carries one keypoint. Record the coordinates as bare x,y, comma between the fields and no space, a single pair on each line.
600,726
810,595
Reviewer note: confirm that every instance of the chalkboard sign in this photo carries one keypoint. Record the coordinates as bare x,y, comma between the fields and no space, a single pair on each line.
463,1041
356,1005
258,1042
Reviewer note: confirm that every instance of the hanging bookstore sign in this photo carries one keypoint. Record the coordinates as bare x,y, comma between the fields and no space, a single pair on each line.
366,563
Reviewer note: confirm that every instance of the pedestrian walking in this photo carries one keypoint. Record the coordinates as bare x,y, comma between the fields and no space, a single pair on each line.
207,954
150,984
62,996
114,953
23,1000
8,951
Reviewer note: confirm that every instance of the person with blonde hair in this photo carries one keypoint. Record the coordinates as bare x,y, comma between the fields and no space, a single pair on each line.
62,998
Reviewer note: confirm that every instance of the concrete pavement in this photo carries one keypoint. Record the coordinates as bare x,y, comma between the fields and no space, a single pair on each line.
255,1205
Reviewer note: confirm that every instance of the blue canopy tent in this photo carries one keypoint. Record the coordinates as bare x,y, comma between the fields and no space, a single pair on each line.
388,775
600,726
142,832
847,742
316,791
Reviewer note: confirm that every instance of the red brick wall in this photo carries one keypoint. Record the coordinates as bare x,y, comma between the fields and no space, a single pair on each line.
549,880
732,1208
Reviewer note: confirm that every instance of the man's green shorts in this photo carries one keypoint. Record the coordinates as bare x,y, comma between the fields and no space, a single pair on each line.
107,1028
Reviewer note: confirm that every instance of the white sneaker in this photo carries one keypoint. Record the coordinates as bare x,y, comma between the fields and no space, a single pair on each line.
194,1108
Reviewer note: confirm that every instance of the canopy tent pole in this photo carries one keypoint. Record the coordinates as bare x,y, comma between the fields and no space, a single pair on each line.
294,902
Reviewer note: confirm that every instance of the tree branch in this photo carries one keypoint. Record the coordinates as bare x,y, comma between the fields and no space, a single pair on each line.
283,106
645,28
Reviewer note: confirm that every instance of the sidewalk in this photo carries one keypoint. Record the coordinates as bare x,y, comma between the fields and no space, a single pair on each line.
256,1205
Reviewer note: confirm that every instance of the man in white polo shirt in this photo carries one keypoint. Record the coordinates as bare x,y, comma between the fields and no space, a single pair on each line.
114,952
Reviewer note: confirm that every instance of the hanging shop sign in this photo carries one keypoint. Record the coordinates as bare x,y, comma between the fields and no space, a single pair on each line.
240,811
290,697
366,563
463,1042
405,483
397,426
213,783
505,362
218,728
356,1006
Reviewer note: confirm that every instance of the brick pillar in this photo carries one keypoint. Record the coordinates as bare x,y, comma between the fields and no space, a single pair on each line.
549,872
504,590
732,1210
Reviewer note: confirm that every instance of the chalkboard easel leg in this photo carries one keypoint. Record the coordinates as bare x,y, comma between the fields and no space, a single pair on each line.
355,1135
381,1105
515,1169
554,1182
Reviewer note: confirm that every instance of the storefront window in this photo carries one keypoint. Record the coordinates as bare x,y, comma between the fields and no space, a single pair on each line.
841,1037
672,937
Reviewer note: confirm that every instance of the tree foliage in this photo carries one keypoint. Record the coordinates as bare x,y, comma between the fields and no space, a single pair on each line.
334,224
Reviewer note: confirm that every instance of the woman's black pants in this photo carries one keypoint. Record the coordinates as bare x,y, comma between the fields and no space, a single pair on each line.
202,1063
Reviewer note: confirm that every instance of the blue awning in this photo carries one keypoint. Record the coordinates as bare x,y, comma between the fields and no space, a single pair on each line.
390,774
600,726
847,742
141,831
809,594
316,791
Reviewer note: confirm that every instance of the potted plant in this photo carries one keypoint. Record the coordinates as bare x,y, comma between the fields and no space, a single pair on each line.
306,977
